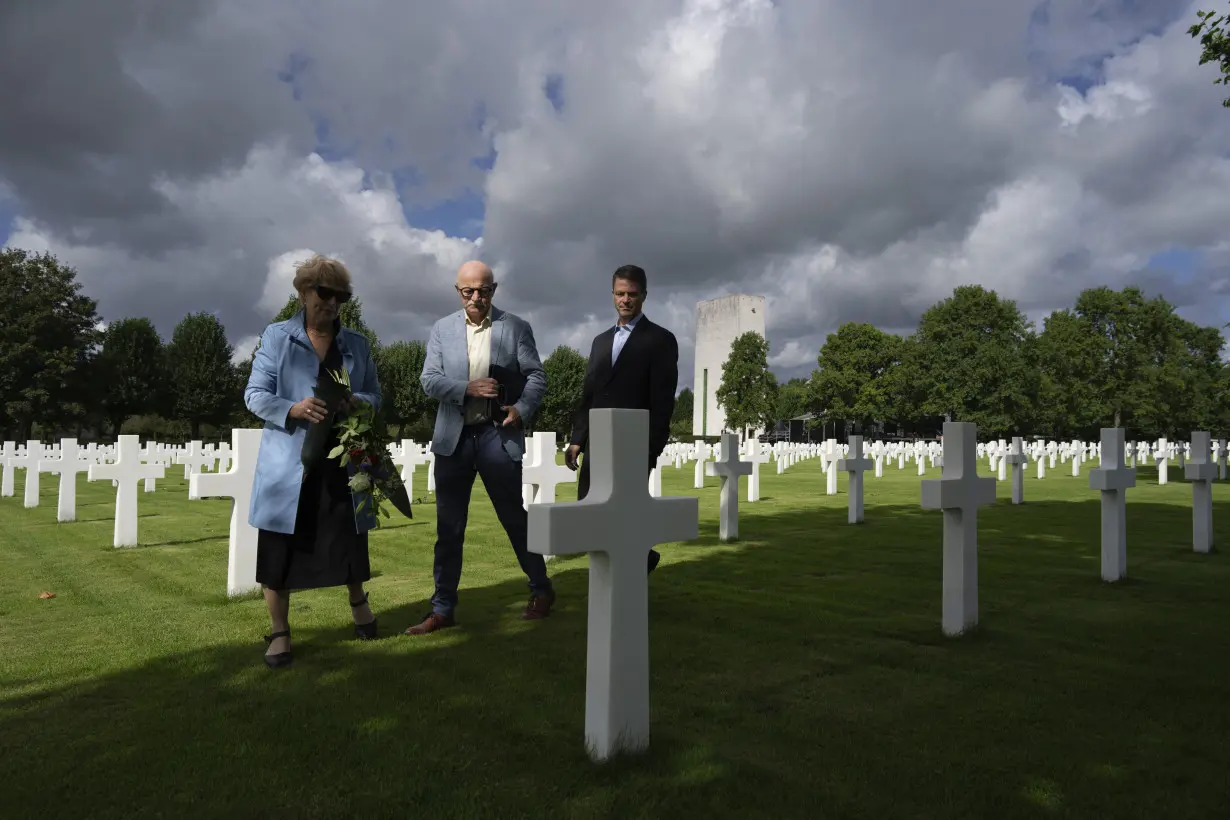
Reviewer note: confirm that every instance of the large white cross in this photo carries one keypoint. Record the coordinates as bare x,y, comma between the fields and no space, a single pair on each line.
1113,479
617,523
126,472
67,466
1016,459
543,472
728,468
29,461
235,484
959,492
855,466
1201,472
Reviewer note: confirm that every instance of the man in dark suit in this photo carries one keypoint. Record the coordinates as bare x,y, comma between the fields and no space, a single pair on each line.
633,365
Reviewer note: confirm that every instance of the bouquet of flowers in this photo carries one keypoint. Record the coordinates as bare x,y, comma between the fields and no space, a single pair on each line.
333,393
360,445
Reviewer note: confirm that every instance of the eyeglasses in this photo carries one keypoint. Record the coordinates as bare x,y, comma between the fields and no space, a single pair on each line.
326,294
486,292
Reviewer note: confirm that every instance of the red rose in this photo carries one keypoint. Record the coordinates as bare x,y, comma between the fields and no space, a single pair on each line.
375,458
356,454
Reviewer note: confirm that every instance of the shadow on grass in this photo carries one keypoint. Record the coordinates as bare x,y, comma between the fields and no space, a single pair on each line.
800,672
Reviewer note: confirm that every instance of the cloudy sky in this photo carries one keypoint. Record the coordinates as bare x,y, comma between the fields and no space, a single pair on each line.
848,160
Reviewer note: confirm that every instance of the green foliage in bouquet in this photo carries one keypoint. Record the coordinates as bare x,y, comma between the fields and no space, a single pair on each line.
362,445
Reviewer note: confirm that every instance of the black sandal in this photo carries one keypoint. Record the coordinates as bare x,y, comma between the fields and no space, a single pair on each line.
282,658
364,632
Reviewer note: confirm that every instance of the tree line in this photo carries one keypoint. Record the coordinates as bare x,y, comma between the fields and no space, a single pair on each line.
1114,359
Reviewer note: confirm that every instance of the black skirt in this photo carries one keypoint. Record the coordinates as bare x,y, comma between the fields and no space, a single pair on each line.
325,550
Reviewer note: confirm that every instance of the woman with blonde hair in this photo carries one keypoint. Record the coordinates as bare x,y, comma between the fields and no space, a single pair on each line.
311,534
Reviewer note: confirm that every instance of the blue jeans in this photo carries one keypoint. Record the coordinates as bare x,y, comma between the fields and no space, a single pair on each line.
479,452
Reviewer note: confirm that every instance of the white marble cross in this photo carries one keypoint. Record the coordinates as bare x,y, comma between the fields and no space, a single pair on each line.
1162,456
655,475
617,523
1113,480
195,459
543,472
408,458
701,451
959,492
829,458
67,466
755,456
728,468
854,466
1201,472
29,461
235,484
1017,458
7,468
126,472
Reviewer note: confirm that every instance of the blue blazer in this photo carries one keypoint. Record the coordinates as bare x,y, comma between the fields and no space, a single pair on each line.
284,373
446,372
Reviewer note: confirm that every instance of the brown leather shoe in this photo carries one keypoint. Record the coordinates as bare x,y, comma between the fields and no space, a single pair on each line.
539,607
431,623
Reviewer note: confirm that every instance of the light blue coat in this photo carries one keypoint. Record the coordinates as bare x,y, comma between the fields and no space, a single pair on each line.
446,372
284,373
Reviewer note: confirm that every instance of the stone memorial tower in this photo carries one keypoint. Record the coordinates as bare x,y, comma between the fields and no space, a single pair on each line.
718,323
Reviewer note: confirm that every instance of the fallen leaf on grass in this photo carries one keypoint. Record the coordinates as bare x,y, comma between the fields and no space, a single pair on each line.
46,595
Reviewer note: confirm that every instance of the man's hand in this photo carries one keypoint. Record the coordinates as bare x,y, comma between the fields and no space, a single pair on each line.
483,389
310,410
570,456
514,416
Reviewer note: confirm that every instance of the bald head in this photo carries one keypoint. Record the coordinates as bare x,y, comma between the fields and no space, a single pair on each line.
474,274
475,285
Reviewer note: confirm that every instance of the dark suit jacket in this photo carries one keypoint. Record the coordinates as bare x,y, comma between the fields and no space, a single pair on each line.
644,377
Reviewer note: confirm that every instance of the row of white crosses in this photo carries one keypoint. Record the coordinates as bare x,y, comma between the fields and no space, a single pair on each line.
960,491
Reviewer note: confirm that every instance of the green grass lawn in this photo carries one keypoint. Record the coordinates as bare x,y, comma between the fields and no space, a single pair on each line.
798,673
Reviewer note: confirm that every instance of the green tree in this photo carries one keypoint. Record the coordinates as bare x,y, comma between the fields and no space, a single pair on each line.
404,403
977,361
681,417
1215,45
1220,423
1181,373
133,366
46,337
565,370
1069,355
748,393
793,399
853,379
202,377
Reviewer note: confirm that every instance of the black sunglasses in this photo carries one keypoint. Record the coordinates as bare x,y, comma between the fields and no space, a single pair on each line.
325,294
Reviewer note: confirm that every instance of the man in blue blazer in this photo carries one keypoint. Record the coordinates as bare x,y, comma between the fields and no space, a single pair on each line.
476,434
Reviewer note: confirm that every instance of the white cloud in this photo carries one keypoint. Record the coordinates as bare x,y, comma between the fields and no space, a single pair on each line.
724,145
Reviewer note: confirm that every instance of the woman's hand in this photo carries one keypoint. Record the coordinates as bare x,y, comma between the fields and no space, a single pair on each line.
310,410
351,404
